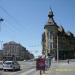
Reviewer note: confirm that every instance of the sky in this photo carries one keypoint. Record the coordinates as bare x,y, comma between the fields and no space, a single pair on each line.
24,20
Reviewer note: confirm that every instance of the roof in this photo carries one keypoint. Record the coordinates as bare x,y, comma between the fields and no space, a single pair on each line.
50,21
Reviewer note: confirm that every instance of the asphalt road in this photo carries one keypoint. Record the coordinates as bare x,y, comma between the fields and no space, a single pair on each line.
26,67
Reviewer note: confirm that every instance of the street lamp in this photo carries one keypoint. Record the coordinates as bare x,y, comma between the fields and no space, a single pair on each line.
57,50
1,19
1,44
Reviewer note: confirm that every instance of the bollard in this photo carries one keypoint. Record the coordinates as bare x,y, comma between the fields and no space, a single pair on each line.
68,61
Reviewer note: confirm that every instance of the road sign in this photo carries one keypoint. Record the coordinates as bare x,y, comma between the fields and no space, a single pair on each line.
40,64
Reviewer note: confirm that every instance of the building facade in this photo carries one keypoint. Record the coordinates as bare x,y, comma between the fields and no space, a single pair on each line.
1,55
57,42
16,50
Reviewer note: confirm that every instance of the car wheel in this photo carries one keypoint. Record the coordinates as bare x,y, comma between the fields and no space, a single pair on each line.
18,69
13,68
5,70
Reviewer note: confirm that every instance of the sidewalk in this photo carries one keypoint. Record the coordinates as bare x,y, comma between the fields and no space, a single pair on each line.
61,68
50,71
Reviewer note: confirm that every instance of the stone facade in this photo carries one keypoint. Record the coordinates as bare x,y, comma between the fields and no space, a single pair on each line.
1,55
54,37
17,50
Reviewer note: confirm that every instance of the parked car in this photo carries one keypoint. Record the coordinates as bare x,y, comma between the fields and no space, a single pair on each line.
11,65
1,65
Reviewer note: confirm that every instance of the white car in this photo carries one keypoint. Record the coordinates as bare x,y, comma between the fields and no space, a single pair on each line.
1,65
11,65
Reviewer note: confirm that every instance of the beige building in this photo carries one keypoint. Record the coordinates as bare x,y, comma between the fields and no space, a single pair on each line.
15,49
56,41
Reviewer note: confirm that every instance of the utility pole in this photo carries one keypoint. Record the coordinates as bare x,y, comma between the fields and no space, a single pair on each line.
1,44
1,20
49,42
57,50
49,53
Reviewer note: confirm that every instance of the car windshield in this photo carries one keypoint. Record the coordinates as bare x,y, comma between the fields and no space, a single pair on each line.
8,63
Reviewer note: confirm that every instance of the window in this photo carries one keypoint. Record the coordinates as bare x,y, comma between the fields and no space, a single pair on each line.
50,35
51,44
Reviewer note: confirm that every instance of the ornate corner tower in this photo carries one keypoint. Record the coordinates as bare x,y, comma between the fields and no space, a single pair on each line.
49,36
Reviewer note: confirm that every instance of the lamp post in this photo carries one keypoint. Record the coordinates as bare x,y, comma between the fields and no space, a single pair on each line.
57,50
49,52
1,44
1,19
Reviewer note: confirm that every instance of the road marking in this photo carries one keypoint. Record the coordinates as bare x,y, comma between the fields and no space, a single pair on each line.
27,72
63,70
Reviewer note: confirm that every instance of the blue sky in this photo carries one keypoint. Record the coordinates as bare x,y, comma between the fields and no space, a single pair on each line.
24,20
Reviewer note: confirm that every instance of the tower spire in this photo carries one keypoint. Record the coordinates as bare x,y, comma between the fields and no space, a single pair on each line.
50,14
51,21
50,17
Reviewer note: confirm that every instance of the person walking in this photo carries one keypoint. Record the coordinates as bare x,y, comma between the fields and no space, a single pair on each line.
68,61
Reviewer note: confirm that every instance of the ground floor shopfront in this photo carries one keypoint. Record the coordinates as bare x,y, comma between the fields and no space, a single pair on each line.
65,54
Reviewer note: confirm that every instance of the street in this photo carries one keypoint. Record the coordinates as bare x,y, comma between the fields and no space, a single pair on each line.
28,68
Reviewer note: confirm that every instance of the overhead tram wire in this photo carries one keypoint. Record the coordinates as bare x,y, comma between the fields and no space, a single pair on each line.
13,18
34,46
8,15
1,19
11,28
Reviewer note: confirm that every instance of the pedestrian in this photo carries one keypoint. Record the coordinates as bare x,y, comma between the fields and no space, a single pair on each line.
46,64
68,61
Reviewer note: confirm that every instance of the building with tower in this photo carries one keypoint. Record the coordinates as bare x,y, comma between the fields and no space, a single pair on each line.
56,42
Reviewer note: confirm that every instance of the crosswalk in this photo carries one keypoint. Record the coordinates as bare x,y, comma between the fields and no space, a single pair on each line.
27,72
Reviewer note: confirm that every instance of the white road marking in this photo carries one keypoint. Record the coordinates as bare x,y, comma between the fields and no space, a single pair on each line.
27,72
